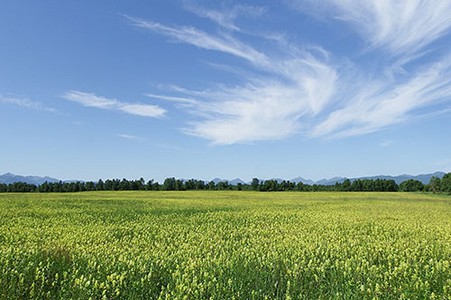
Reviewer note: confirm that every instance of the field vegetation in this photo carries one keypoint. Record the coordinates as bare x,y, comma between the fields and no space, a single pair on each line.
225,245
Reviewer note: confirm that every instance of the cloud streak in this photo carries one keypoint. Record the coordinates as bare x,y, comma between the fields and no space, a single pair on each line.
190,35
92,100
182,100
25,103
226,17
129,137
293,88
389,105
266,109
401,27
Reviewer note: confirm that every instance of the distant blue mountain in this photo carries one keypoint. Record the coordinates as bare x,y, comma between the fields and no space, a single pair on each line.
424,178
217,180
236,181
8,178
330,181
231,182
303,180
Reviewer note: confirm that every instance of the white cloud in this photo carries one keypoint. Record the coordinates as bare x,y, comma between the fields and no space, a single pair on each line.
266,109
183,100
92,100
25,103
226,16
402,26
190,35
263,109
249,114
385,105
291,88
129,137
143,110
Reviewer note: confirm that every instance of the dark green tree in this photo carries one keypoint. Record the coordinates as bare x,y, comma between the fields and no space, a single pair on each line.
356,186
124,185
446,183
301,187
391,186
169,184
223,185
90,186
179,185
346,185
100,185
211,185
254,184
411,185
149,185
435,185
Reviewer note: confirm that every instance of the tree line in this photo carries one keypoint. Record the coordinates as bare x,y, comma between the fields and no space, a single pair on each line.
435,185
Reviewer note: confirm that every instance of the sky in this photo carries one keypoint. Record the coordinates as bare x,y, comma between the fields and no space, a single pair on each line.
205,89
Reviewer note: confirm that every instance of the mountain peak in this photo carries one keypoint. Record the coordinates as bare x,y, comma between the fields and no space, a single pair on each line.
9,178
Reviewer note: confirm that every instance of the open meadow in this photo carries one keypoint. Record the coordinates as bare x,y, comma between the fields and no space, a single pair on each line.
225,245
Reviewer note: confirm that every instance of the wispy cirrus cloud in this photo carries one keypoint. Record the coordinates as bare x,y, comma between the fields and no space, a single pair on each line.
402,27
129,137
248,114
226,17
92,100
291,88
265,109
388,104
182,100
190,35
406,29
298,82
25,103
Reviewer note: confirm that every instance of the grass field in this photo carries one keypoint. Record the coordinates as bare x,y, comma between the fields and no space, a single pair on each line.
225,245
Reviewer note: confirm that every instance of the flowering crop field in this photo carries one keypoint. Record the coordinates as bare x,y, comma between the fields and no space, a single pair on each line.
225,245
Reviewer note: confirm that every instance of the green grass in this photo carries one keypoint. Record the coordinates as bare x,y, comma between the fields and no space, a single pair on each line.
225,245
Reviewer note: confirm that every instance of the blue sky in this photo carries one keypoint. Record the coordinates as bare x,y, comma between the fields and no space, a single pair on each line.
204,89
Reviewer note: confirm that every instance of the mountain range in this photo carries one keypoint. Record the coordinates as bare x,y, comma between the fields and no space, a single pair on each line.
424,178
8,178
